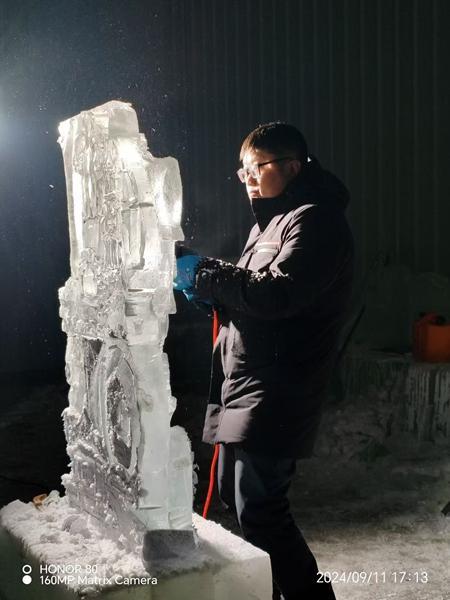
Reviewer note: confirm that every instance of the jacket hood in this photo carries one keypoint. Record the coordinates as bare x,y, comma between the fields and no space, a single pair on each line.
313,185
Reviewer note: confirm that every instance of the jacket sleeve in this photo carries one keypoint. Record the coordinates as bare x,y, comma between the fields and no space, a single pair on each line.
316,247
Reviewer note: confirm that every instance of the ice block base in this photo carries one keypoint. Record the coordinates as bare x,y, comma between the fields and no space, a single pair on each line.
222,567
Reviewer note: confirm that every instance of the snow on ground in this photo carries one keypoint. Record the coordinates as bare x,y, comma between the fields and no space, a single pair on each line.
370,507
392,530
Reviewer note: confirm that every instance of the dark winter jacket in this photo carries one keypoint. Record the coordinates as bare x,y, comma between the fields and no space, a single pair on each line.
281,309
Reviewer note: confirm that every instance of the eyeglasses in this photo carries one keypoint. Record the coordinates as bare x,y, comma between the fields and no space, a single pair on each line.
253,170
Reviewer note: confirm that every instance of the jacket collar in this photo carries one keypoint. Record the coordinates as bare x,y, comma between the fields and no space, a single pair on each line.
265,209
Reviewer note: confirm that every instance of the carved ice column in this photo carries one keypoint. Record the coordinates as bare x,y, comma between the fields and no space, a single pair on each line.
124,210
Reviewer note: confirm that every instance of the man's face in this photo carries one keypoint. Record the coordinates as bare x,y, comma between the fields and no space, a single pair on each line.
273,177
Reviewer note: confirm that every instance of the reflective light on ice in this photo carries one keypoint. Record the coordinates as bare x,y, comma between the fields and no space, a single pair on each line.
129,468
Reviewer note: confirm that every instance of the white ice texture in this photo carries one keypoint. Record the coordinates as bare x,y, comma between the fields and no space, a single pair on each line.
124,210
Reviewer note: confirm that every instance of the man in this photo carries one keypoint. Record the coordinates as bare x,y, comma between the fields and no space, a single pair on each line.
280,310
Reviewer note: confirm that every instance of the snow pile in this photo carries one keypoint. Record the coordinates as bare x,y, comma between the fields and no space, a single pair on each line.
387,396
58,534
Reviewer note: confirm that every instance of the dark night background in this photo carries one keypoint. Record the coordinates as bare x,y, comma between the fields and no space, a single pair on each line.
365,80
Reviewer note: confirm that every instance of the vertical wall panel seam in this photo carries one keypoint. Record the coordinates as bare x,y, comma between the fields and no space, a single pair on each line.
291,80
331,82
194,159
383,242
346,96
205,114
273,85
416,215
302,102
435,187
228,101
316,103
397,198
250,68
184,69
222,110
213,142
260,57
363,212
237,62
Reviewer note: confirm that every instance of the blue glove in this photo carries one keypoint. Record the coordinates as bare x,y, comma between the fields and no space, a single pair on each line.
186,268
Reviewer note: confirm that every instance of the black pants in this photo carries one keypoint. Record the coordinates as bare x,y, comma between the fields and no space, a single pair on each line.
255,487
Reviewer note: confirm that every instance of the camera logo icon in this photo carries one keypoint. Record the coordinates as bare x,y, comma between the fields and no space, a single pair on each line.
26,570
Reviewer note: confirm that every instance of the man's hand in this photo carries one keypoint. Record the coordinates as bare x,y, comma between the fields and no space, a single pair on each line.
187,263
186,270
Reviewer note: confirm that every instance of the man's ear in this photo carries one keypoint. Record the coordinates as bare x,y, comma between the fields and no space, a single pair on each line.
295,166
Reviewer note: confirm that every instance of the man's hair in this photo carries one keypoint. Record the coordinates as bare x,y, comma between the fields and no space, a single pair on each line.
276,138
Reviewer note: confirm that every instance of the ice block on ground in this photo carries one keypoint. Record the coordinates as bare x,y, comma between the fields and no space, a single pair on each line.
223,566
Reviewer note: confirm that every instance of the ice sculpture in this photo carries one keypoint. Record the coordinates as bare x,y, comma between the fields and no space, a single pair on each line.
124,210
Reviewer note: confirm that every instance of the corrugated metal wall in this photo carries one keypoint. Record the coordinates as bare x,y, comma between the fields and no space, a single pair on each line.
366,80
367,83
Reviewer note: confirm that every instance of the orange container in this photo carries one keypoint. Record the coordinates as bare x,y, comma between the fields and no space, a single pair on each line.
431,339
